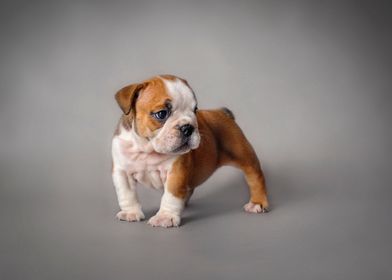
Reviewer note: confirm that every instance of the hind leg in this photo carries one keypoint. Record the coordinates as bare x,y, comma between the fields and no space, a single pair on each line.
239,153
235,150
258,202
188,197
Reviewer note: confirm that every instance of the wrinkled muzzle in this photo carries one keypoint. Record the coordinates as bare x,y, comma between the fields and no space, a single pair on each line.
175,141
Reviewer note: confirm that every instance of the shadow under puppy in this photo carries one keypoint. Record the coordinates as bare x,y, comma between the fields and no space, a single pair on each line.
163,141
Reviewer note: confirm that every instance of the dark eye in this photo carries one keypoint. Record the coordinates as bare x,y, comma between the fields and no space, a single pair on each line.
161,115
194,110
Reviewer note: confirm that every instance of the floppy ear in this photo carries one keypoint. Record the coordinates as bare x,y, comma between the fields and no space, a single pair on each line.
126,97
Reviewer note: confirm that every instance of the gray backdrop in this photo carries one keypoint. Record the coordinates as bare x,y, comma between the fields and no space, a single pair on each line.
309,83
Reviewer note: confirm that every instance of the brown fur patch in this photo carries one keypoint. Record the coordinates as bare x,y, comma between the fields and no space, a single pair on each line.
222,143
124,122
177,179
151,99
126,97
169,77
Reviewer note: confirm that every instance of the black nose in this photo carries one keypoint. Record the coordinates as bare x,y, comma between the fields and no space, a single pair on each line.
187,130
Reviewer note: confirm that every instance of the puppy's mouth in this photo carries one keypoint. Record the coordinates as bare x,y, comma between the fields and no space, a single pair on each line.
182,148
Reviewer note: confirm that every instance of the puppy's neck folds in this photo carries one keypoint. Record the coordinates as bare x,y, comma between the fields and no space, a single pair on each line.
140,144
135,156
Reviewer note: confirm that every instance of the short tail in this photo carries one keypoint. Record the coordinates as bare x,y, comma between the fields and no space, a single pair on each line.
228,112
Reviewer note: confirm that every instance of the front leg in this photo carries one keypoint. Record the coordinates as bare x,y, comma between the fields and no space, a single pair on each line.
169,214
128,201
174,196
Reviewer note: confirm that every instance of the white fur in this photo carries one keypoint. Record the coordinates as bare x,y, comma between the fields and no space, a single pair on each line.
138,160
251,207
171,204
134,161
183,105
169,214
134,157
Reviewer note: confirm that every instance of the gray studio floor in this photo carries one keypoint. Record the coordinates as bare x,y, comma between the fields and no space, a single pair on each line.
309,84
314,231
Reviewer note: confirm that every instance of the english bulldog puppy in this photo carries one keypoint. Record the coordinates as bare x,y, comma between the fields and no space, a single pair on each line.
165,142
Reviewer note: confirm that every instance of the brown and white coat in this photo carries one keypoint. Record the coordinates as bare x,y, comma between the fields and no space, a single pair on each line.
156,153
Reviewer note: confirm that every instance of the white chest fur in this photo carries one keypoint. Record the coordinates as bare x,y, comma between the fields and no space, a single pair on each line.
137,158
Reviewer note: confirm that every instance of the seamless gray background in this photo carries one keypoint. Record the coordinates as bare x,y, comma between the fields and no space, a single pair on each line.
309,83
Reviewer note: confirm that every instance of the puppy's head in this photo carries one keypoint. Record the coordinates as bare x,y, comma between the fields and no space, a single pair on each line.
163,110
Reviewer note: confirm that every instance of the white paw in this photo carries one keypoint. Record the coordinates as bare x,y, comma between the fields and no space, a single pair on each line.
134,215
251,207
165,219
